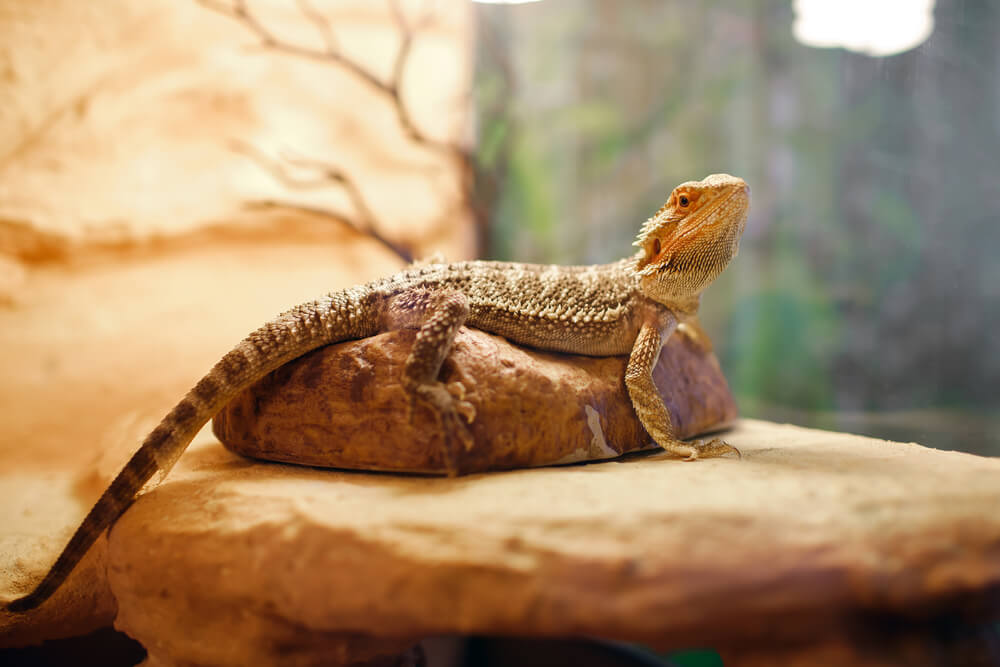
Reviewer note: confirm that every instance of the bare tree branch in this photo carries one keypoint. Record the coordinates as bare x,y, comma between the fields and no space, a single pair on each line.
322,25
326,174
400,251
239,11
338,175
392,90
399,63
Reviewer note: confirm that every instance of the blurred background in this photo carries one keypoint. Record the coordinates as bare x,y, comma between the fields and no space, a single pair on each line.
210,162
867,291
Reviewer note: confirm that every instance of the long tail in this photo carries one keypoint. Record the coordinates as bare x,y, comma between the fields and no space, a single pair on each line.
340,316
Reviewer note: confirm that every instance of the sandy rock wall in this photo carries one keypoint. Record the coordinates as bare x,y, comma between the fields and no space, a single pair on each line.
167,183
124,119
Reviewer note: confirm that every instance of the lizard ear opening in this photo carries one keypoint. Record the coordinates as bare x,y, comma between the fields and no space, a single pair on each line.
656,247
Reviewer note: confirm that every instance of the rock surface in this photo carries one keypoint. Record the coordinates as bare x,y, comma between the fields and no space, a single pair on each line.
94,354
30,541
809,533
343,406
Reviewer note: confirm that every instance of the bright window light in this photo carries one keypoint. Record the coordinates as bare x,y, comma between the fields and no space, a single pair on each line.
873,27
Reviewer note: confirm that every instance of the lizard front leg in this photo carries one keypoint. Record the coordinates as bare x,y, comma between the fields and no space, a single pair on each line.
648,404
420,374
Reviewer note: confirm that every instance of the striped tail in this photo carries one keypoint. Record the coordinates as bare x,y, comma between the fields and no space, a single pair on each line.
340,316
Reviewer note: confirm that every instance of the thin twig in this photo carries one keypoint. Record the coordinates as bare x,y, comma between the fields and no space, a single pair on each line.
366,219
239,11
320,22
340,176
391,89
400,251
399,63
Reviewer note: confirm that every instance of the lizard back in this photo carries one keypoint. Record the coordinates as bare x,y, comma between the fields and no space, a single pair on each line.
580,309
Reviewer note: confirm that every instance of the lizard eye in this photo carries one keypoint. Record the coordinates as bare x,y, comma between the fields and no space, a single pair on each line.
683,200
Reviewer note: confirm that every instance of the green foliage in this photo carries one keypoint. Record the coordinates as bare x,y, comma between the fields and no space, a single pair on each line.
529,200
899,232
868,277
695,658
792,335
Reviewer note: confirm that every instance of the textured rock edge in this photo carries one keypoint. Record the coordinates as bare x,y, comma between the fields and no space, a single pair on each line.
810,533
342,406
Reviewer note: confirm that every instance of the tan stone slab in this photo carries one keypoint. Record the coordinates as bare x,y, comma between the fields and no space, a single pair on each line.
31,516
805,533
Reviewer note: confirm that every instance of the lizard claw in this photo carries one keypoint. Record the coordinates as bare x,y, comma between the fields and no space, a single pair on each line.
699,449
467,410
462,406
712,448
449,414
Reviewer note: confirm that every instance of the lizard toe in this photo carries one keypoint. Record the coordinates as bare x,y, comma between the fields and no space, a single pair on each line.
456,389
717,447
451,416
467,410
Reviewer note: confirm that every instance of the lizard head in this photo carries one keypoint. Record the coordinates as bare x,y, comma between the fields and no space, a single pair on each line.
692,238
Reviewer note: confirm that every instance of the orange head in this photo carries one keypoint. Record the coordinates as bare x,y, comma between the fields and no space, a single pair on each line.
692,238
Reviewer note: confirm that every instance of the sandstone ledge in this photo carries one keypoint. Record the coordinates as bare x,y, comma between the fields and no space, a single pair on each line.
810,532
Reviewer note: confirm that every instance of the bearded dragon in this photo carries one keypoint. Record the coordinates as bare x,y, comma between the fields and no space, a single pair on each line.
629,307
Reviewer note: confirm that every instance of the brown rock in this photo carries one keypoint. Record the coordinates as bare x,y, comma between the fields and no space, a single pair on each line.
810,534
343,406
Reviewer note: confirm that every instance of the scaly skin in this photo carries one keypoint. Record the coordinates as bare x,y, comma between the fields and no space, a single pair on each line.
628,307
